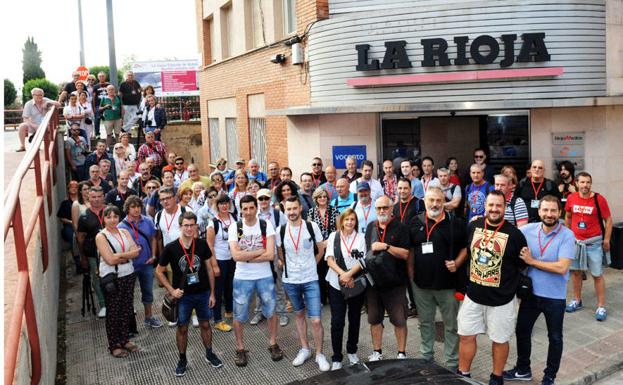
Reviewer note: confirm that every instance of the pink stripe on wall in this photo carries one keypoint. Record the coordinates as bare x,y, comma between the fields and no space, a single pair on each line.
449,77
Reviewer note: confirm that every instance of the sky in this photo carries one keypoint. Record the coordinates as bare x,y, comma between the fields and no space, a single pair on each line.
144,30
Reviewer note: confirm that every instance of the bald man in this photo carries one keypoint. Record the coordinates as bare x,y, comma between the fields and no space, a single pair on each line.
532,189
331,174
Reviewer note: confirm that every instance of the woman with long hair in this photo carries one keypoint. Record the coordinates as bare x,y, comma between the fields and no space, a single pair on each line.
241,182
198,198
452,164
218,182
64,214
184,196
343,268
283,191
116,249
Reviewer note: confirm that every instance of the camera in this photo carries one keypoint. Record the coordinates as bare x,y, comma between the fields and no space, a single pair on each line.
148,123
356,254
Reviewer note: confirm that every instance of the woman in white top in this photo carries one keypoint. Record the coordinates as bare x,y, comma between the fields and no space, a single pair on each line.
120,157
218,241
117,249
241,182
130,151
341,272
198,198
87,110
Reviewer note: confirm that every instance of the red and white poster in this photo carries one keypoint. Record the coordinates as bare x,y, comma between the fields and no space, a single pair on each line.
169,78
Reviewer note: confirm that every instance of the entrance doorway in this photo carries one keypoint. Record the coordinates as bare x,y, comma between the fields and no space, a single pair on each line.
505,136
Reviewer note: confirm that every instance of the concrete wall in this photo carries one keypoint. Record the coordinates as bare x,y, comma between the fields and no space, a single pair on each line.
614,44
603,155
315,135
184,139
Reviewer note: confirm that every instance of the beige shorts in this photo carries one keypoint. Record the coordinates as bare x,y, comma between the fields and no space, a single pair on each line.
113,125
498,322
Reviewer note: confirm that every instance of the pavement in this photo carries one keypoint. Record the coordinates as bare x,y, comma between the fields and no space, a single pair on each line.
593,350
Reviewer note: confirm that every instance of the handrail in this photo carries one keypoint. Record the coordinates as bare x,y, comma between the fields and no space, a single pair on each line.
45,179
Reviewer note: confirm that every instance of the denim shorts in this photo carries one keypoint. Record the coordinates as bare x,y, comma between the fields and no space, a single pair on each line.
594,259
145,276
243,292
304,296
200,302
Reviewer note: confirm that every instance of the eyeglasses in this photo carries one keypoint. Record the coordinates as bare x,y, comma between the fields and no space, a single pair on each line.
263,199
479,156
316,164
150,187
381,208
211,196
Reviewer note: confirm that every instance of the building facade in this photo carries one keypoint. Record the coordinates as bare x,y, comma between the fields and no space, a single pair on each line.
411,78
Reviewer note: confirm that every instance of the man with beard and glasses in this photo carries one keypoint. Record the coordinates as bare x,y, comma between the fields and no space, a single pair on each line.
550,251
490,302
318,176
566,181
141,181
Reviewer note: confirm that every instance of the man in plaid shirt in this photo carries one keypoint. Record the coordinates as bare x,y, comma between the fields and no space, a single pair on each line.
152,148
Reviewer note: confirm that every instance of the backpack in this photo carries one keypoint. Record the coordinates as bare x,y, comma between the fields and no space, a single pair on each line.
263,232
282,235
159,215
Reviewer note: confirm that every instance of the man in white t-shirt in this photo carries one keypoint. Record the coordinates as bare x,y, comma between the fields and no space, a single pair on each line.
252,245
33,114
376,190
300,248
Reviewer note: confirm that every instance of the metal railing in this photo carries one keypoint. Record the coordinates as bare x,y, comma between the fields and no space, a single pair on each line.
45,180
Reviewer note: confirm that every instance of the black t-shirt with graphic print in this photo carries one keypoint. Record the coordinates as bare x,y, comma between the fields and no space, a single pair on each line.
494,267
173,254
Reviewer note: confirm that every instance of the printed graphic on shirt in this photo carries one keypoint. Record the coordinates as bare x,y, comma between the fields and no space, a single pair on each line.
183,263
579,209
486,259
251,242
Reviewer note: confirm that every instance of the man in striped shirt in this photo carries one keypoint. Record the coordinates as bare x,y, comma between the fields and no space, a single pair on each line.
516,211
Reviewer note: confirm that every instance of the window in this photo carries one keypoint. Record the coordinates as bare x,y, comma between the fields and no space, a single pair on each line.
289,16
232,140
257,24
214,142
227,31
257,128
508,141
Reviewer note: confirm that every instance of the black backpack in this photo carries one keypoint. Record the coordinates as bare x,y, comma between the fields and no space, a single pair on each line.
282,235
263,232
159,215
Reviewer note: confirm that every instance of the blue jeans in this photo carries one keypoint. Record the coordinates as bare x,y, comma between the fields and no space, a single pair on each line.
243,291
200,302
304,296
529,311
224,288
145,276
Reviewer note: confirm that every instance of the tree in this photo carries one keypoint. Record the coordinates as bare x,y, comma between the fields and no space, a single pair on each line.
31,62
9,93
50,89
97,69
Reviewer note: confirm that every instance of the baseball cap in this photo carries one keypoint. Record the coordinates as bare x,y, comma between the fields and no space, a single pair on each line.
263,193
240,161
363,186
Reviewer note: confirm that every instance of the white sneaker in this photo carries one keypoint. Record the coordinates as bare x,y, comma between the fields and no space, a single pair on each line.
353,359
401,356
172,324
195,320
322,362
375,356
256,319
336,366
302,356
102,312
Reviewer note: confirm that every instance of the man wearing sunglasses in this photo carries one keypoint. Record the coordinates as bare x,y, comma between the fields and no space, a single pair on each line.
180,171
318,176
480,158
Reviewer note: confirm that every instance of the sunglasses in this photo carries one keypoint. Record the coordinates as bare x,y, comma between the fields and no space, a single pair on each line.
479,156
263,199
150,187
179,163
211,196
316,164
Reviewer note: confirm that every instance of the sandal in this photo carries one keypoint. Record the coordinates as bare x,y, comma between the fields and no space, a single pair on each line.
119,353
130,347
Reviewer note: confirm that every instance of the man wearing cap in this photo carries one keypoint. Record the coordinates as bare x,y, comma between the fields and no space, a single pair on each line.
180,173
221,167
363,207
229,179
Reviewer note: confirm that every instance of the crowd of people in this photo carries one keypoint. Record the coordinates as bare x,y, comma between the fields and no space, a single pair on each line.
240,246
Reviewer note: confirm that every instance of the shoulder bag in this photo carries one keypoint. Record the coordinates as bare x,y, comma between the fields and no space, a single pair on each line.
361,283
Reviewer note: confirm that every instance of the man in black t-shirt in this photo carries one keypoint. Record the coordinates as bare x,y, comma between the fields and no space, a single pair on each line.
532,189
439,250
387,238
89,225
118,195
130,93
490,303
193,284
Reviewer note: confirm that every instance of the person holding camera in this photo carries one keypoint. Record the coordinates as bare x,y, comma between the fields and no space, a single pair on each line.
387,242
116,249
550,251
110,108
345,247
154,117
438,242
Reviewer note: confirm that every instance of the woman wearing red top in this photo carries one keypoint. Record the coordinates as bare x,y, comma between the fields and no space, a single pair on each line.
453,165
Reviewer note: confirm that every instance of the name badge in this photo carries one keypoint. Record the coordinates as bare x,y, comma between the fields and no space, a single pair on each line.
482,258
582,225
192,278
534,204
427,247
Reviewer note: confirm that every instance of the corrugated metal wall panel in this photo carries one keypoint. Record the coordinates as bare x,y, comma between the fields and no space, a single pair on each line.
214,139
232,140
257,128
575,38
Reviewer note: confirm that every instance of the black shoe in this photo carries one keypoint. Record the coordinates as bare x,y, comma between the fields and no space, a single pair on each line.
213,360
496,380
180,371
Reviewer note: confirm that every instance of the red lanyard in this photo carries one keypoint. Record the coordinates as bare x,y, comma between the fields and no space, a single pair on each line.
225,224
100,217
536,191
426,183
316,181
543,248
366,215
378,230
403,212
120,240
348,249
172,219
325,220
475,194
121,194
486,240
428,233
190,263
330,191
296,244
135,229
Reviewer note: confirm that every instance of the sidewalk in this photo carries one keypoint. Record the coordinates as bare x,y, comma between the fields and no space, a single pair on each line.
592,349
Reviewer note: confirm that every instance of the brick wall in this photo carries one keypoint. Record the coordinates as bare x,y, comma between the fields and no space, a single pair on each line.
283,85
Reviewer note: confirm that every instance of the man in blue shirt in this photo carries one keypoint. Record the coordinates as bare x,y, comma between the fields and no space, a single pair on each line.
550,251
344,198
476,193
143,231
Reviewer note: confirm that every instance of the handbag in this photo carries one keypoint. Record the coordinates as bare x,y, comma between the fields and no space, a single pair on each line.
361,283
524,289
108,283
169,308
88,121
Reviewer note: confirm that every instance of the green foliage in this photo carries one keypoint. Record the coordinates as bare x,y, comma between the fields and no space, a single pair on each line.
31,61
10,93
50,89
97,69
